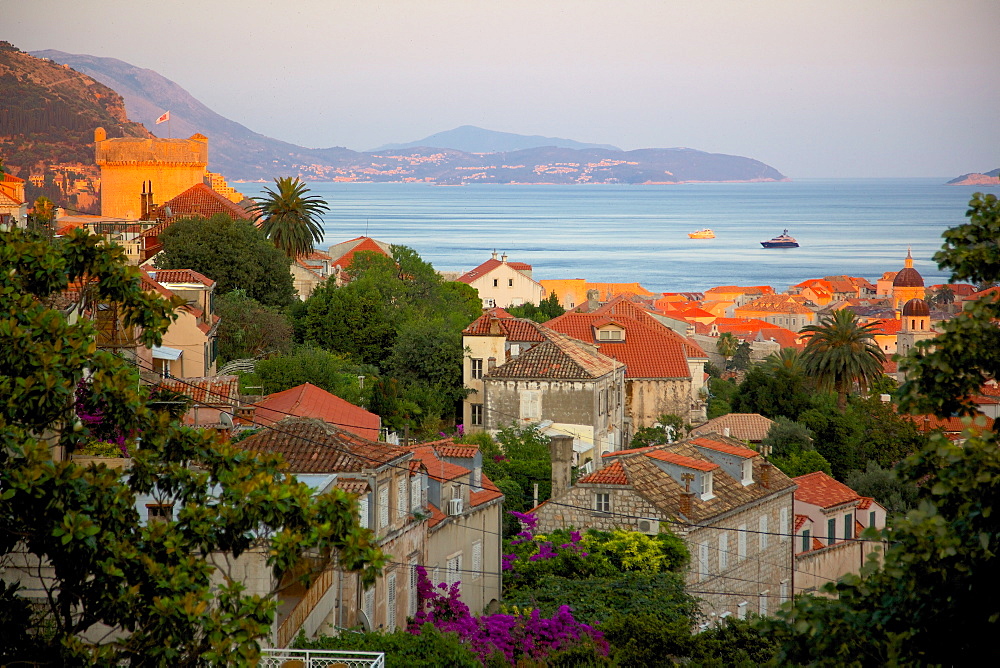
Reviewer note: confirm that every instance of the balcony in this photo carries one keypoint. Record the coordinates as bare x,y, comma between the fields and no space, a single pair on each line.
319,658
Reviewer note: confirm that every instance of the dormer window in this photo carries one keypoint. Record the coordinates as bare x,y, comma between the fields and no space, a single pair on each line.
611,335
747,472
707,486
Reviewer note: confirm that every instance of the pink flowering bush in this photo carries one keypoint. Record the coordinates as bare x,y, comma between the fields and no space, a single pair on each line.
515,637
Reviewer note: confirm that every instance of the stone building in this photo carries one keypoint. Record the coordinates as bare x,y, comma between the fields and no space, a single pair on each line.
664,370
13,206
829,519
466,518
391,488
504,284
565,385
915,325
907,284
732,509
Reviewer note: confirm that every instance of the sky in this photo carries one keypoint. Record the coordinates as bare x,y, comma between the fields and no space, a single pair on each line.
842,88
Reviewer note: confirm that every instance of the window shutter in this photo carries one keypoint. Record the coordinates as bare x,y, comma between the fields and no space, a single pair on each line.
783,522
401,497
413,588
363,511
703,561
723,551
383,507
415,493
741,547
454,569
477,559
391,606
763,532
764,595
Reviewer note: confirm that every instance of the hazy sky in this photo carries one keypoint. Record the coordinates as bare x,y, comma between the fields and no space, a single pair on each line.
834,88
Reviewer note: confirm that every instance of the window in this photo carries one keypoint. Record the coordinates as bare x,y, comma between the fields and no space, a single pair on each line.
412,602
477,368
741,543
383,507
390,606
477,414
609,335
848,527
477,479
805,540
723,551
363,511
831,531
368,604
602,502
496,282
762,528
703,561
783,524
454,569
159,512
707,488
763,603
510,282
401,496
477,560
871,518
531,408
415,500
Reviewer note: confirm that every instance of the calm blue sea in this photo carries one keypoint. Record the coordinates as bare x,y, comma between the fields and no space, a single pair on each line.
860,227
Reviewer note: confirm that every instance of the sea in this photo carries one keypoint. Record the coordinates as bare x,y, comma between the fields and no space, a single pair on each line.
626,233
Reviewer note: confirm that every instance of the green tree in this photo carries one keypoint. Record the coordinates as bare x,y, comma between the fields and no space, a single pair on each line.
741,359
942,297
233,253
943,374
727,345
151,584
42,216
841,353
250,329
334,372
546,310
291,218
884,486
402,649
773,392
787,360
720,396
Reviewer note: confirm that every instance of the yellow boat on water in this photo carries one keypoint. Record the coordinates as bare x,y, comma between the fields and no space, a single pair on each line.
702,234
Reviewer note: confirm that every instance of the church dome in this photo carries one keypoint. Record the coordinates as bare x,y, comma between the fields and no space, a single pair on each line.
908,277
916,308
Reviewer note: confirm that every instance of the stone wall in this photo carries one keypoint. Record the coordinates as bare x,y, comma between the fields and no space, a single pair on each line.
648,399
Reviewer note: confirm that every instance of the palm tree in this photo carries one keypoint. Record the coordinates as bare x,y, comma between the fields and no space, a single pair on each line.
727,345
289,217
787,359
841,353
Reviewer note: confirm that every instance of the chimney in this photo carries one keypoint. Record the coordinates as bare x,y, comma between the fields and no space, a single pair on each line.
143,204
503,258
561,454
491,363
494,253
686,495
593,299
765,475
725,432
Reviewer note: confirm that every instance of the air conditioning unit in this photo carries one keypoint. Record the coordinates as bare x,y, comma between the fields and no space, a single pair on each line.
650,527
455,507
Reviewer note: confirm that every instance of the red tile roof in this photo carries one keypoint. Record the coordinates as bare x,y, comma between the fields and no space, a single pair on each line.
558,357
437,468
951,425
313,446
819,489
728,448
310,401
865,502
646,352
681,460
180,276
348,249
489,493
497,322
887,326
436,516
744,426
200,200
799,521
353,486
490,265
215,390
612,474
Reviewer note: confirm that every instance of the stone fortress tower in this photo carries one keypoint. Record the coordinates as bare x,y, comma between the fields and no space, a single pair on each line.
171,166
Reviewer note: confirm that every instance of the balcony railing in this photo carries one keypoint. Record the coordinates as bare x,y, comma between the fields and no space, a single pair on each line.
319,658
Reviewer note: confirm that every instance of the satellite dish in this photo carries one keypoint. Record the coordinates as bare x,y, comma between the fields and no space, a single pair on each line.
363,619
227,420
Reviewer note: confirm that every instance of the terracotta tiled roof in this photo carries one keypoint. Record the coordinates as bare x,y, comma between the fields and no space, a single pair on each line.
819,489
342,254
437,468
629,451
215,390
612,474
200,200
307,400
646,352
682,460
950,425
353,486
436,516
751,427
497,322
722,446
314,446
887,326
490,492
180,276
490,265
817,544
558,357
774,304
865,502
799,521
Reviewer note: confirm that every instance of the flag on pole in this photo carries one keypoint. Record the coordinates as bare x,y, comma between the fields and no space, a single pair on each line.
163,118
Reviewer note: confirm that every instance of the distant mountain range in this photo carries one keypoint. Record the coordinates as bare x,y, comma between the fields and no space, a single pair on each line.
471,139
464,155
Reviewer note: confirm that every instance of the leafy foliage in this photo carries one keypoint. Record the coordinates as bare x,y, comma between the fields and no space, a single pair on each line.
335,373
841,354
152,583
773,392
233,253
546,310
250,329
516,460
428,649
289,217
884,485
